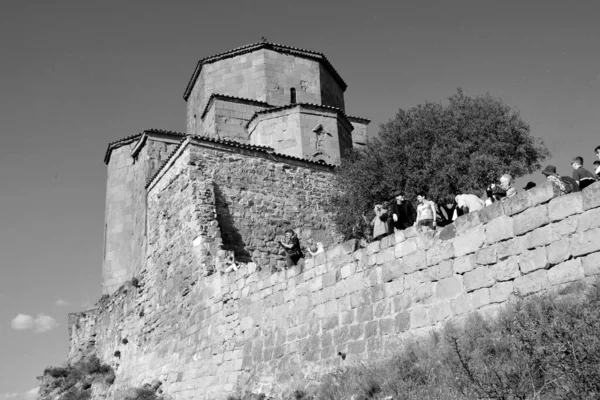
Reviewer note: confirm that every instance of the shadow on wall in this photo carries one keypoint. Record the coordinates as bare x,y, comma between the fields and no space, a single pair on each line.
231,236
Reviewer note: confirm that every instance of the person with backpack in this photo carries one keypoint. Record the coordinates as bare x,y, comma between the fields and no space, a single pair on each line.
565,184
583,177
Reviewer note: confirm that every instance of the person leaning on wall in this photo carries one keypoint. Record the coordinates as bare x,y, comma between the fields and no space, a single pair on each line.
291,246
425,214
402,211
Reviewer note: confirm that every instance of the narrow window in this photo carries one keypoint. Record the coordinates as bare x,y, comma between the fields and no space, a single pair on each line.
293,96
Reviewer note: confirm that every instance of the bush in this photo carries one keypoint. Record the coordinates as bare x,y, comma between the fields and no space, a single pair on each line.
143,393
544,347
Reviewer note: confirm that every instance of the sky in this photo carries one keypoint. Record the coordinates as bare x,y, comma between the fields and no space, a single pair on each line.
76,75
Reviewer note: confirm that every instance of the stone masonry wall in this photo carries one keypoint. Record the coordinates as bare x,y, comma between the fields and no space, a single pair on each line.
265,331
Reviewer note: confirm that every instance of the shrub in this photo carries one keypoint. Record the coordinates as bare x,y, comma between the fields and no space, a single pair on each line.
542,347
143,393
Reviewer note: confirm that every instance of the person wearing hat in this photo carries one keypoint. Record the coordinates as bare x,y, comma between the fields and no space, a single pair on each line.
550,173
403,212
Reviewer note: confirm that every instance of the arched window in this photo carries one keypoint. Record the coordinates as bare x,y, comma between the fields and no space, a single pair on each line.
293,96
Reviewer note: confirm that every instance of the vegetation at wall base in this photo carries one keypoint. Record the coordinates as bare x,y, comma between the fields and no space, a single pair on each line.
74,382
540,347
441,150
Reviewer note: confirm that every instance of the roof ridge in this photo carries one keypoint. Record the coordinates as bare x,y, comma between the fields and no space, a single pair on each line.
128,139
292,105
214,96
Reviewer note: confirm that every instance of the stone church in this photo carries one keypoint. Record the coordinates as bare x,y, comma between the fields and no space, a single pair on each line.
263,99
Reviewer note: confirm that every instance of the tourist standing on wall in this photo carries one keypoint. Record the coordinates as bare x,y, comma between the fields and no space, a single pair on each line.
583,177
291,245
445,211
502,191
379,222
425,214
550,173
466,203
597,169
403,212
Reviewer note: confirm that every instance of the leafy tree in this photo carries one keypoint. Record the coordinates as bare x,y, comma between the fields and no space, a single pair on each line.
439,149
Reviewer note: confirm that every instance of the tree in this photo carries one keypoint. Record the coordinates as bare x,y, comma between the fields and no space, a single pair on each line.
441,150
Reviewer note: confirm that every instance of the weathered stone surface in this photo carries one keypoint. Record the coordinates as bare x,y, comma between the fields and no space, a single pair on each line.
491,212
449,287
591,264
589,220
419,317
411,232
564,206
436,272
462,304
591,196
478,278
440,252
516,204
414,261
480,298
487,255
499,229
558,251
540,237
567,226
426,240
543,193
510,247
506,270
568,271
467,222
532,283
407,247
585,242
373,247
448,232
469,241
385,255
530,219
440,311
464,264
501,291
533,260
399,236
388,241
392,271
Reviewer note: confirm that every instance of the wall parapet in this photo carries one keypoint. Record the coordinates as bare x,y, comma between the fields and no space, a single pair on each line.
265,331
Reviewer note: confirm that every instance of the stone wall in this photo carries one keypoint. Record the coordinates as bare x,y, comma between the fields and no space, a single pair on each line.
206,336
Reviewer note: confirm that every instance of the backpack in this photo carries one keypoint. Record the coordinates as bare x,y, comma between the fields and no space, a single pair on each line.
570,184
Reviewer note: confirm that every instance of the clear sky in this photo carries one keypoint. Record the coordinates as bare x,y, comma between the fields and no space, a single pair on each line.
75,75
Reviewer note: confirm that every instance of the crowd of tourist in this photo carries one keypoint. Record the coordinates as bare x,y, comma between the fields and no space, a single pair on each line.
398,213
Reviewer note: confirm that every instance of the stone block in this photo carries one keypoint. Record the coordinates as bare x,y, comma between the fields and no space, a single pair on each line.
391,271
388,241
543,193
558,251
531,283
531,219
371,329
464,264
394,287
510,247
419,317
532,260
480,298
479,278
437,272
591,196
449,287
346,271
440,252
462,304
411,232
403,302
402,321
399,236
499,229
448,232
564,206
491,212
587,242
540,237
506,270
423,293
469,241
486,256
501,291
385,255
440,311
373,247
517,203
414,262
591,264
426,240
467,222
567,226
405,248
589,220
568,271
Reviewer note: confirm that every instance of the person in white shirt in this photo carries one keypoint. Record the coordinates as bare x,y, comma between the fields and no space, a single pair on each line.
466,203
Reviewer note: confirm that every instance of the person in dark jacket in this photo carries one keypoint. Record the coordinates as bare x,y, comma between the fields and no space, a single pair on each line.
291,245
403,212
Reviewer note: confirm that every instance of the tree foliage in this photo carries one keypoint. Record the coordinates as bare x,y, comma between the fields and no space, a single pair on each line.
439,149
